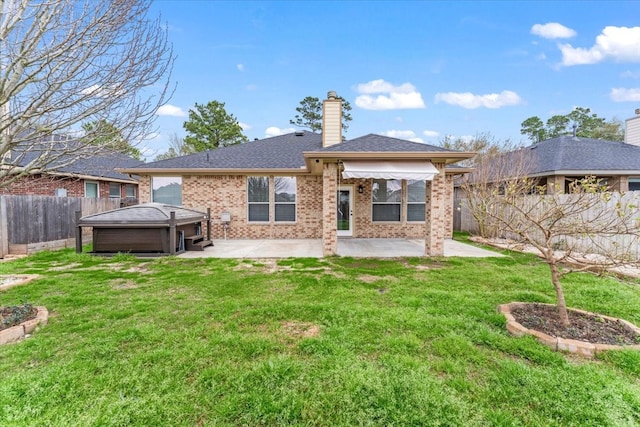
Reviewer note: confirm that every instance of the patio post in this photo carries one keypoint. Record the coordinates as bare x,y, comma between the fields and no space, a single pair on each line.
172,233
329,213
435,215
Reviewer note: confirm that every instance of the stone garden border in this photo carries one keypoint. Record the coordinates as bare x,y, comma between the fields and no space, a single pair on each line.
581,348
16,333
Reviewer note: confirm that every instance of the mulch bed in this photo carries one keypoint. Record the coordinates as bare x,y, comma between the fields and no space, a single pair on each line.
584,327
15,315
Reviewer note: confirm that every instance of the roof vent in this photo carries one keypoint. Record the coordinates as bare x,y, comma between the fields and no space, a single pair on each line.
299,133
637,111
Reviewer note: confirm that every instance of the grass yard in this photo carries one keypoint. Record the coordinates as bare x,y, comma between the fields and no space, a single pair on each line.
333,342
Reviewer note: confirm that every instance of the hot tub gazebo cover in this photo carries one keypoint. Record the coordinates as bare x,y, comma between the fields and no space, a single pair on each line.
146,214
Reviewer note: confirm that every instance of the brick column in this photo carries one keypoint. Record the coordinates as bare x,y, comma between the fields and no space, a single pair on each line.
435,215
329,213
448,234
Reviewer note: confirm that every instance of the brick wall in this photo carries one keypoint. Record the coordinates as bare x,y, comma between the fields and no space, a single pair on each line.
46,185
364,227
315,210
228,193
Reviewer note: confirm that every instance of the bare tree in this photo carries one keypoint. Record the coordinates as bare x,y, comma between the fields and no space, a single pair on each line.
589,228
177,148
67,62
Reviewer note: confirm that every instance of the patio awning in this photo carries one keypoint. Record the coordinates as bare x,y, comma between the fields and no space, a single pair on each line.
417,170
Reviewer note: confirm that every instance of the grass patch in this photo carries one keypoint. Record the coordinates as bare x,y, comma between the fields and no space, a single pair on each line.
336,341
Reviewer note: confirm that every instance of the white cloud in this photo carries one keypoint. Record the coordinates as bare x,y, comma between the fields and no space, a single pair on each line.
244,126
469,100
240,67
391,97
251,87
409,135
431,133
620,44
630,74
620,94
275,131
171,110
552,30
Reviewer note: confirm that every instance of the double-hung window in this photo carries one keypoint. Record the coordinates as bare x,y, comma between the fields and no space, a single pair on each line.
115,190
416,196
258,198
386,199
284,188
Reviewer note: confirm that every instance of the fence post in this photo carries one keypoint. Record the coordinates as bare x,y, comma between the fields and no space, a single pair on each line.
4,228
78,232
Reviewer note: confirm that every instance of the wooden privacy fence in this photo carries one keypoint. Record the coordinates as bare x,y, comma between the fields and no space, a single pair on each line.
32,223
464,221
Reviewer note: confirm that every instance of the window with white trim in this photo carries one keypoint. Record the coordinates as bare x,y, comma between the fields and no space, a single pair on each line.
167,190
258,198
284,190
634,183
91,189
386,200
130,191
115,190
416,199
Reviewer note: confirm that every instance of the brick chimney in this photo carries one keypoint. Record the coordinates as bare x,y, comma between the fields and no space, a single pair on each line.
632,131
331,120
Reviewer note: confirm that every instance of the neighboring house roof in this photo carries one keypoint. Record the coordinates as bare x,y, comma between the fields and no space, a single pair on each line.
287,152
574,155
88,164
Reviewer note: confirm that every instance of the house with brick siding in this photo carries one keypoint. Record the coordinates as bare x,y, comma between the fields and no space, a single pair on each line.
92,176
306,185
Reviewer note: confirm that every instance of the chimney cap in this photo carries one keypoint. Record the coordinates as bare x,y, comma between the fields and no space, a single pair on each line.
332,94
637,111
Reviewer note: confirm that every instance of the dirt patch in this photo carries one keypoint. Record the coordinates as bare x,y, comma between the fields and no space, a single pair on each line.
584,327
11,280
301,329
121,284
367,278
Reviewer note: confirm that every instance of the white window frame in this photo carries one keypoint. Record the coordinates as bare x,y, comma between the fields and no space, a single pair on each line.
277,203
374,203
267,203
423,203
111,185
97,184
174,177
126,191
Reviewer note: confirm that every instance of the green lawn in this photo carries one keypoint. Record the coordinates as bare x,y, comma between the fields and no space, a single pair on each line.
340,341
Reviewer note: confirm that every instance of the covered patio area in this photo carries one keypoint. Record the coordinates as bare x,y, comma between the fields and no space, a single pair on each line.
351,247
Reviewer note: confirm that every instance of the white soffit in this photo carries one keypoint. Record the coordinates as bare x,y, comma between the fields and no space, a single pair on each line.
416,170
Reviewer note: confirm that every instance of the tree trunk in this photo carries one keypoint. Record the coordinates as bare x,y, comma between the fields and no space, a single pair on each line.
562,305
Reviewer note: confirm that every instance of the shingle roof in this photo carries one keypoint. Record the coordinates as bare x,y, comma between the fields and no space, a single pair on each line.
373,143
568,153
284,152
100,165
278,152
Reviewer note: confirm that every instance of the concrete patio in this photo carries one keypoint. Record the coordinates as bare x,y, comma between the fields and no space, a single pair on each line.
312,248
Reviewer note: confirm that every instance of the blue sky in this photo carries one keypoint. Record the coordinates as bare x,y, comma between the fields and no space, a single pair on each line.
414,70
